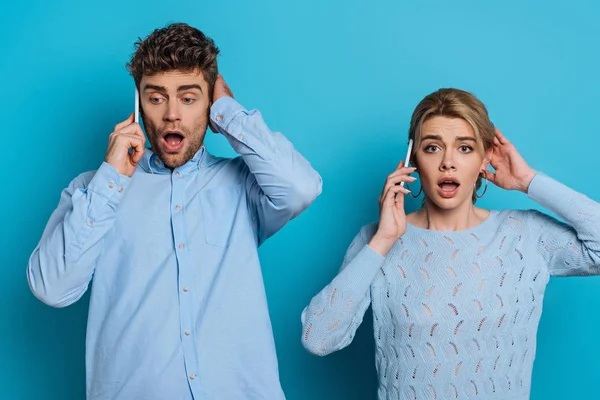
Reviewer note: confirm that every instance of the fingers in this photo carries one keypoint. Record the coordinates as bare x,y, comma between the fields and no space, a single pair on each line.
225,86
138,152
131,129
221,88
389,197
127,141
399,175
501,138
489,175
403,171
124,123
228,90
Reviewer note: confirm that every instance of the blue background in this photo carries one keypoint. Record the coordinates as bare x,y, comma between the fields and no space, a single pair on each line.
340,78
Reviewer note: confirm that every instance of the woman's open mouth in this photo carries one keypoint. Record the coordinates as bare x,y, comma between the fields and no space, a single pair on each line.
448,187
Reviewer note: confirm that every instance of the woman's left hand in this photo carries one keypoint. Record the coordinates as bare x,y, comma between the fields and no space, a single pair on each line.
512,171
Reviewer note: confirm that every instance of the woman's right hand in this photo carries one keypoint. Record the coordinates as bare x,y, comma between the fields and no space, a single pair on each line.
392,218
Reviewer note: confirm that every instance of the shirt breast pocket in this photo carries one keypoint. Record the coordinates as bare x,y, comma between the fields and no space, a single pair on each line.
220,208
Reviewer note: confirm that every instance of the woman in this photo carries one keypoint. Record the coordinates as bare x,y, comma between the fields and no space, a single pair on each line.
456,290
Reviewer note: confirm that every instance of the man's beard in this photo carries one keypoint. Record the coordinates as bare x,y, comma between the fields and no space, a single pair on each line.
193,142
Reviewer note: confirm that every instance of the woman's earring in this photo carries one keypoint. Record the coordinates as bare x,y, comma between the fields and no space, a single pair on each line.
484,189
416,195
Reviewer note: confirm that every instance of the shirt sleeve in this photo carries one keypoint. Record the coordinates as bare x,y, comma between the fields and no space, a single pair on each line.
62,264
281,183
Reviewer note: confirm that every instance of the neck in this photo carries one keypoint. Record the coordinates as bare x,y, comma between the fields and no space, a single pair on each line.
462,217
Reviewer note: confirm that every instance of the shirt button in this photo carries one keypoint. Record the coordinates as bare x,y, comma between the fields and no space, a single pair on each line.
241,136
192,376
181,246
188,333
219,117
177,207
185,288
90,223
156,161
120,189
111,185
177,173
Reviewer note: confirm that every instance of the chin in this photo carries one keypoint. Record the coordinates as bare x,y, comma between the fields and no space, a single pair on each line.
173,160
448,203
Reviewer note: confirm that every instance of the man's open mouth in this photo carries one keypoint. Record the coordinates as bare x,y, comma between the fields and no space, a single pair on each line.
173,141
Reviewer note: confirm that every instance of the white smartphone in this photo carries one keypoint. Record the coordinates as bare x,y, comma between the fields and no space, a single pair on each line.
407,158
136,112
406,163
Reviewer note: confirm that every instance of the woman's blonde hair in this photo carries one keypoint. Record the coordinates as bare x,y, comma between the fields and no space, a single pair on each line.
454,103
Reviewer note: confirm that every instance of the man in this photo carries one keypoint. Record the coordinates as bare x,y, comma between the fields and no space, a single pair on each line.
170,235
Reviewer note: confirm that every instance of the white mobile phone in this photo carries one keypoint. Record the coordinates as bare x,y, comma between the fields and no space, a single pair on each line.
136,112
407,158
406,163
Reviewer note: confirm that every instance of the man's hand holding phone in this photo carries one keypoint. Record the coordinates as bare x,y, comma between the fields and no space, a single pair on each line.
127,135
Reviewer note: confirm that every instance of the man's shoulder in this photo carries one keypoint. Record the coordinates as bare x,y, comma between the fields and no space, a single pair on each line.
230,164
83,179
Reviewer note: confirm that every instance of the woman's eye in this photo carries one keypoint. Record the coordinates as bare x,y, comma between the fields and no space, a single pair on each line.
465,149
432,148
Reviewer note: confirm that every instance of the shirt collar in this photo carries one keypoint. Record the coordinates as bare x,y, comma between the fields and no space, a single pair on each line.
152,164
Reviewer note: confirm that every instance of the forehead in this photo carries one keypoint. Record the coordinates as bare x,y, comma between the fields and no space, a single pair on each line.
171,80
447,128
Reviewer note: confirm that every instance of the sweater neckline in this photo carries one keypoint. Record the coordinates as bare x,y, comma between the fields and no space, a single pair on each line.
482,226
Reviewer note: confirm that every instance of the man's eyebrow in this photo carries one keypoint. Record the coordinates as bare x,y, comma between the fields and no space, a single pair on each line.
155,87
188,87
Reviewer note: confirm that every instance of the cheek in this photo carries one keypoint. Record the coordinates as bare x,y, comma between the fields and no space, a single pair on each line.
470,162
152,117
426,178
197,115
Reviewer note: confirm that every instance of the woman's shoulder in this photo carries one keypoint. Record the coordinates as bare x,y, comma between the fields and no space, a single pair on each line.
519,218
368,231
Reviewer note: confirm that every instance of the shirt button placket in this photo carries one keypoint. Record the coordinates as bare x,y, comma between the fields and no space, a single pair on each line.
181,247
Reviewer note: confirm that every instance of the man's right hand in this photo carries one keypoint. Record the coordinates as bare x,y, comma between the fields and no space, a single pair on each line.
392,218
127,135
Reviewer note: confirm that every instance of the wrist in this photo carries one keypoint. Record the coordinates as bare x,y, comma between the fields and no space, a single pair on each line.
382,244
526,181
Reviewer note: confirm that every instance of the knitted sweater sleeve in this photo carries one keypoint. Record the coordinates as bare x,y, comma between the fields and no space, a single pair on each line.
571,247
335,313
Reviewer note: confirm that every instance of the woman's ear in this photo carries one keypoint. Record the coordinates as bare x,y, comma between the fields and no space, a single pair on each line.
489,153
